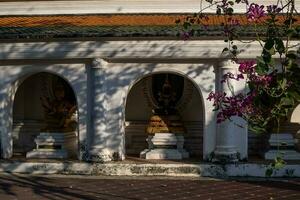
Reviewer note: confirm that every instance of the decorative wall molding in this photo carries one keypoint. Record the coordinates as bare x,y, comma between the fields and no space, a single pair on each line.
148,50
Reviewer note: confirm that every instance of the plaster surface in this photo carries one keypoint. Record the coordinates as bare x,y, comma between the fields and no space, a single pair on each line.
113,6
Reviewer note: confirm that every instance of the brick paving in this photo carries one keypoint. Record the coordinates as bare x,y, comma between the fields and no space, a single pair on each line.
128,188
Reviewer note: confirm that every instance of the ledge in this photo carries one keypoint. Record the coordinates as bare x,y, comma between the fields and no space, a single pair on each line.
120,169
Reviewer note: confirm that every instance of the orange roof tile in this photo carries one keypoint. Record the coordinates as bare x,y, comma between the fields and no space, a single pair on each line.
114,20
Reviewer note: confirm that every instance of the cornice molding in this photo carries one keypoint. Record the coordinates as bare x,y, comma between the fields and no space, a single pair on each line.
118,50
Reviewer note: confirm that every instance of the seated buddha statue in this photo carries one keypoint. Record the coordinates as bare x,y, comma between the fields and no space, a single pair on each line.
166,119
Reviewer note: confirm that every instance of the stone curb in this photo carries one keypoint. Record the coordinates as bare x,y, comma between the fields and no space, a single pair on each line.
169,170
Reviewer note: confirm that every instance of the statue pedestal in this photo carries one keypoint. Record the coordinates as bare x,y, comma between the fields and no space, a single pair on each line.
48,145
286,144
165,146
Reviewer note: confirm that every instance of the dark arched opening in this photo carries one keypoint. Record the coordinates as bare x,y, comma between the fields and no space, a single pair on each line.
143,100
45,103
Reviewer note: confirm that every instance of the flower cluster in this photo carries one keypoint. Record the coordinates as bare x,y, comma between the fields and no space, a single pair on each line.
240,105
229,106
271,88
247,67
255,12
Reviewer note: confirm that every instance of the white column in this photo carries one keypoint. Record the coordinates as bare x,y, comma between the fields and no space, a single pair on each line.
6,103
97,110
231,141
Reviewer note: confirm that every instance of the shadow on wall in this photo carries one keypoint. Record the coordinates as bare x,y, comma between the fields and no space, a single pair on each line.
103,110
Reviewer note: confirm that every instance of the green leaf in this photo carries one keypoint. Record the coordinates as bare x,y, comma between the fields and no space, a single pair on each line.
287,101
231,3
295,95
261,67
279,163
269,172
279,46
272,51
269,44
267,57
229,11
186,25
225,49
290,32
219,11
283,83
256,129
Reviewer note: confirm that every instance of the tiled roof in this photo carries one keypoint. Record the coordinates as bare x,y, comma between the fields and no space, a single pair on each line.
109,25
111,20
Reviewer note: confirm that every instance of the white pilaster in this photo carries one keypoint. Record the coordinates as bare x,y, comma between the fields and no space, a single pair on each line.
97,109
231,141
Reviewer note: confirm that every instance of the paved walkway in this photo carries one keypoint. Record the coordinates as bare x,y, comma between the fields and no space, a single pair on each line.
128,188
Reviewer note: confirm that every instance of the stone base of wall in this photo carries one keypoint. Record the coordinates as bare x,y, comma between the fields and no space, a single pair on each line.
123,169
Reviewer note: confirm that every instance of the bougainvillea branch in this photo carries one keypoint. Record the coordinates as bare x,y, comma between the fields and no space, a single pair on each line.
273,85
272,79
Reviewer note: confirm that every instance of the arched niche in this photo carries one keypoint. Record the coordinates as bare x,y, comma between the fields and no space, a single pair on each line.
38,104
141,101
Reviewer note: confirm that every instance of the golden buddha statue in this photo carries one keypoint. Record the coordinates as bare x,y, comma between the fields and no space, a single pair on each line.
165,119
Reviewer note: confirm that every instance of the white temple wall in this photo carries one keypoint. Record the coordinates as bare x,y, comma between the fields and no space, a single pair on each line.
102,85
120,77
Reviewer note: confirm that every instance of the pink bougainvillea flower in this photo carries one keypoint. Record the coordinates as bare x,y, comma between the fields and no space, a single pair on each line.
217,97
255,12
230,75
247,67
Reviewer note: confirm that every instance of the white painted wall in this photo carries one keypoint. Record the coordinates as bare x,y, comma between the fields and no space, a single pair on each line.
169,50
115,7
109,82
120,77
